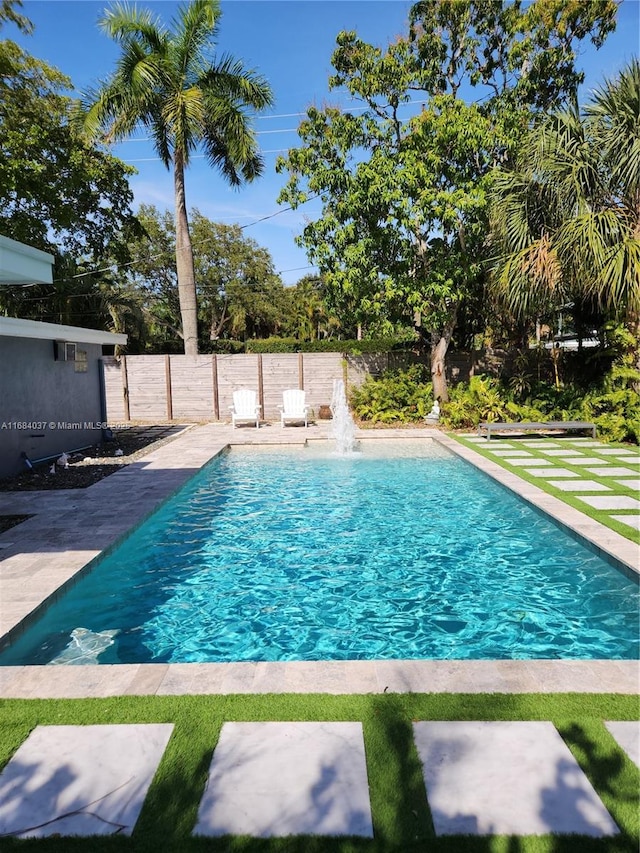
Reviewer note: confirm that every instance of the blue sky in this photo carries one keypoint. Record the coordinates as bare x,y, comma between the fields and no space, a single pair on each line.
290,42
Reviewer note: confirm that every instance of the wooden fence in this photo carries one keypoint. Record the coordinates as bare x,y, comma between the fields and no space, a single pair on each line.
200,388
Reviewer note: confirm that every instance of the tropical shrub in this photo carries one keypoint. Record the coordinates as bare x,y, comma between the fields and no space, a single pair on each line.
481,399
402,396
614,407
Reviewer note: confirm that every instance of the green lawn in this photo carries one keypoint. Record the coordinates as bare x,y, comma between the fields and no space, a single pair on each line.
401,816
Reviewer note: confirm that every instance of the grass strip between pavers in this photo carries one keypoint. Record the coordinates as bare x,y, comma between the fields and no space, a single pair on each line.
603,516
401,817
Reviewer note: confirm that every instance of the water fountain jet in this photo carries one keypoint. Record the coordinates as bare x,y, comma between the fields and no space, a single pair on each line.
343,428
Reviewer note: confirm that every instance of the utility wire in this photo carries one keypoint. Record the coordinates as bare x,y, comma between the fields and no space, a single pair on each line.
178,248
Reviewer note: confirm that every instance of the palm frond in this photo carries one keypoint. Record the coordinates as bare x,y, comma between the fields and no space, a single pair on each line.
195,28
126,22
231,79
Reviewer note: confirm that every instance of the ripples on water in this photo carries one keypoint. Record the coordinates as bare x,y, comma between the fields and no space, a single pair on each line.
301,555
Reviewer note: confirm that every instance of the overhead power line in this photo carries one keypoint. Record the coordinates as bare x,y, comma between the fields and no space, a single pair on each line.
113,267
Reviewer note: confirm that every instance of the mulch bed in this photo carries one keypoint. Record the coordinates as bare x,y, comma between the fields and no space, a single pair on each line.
89,466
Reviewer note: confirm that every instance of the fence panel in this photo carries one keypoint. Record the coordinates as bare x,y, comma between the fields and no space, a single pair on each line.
368,364
235,372
279,372
147,387
320,370
113,389
192,387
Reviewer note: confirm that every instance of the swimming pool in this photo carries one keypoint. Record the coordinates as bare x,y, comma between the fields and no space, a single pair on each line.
403,551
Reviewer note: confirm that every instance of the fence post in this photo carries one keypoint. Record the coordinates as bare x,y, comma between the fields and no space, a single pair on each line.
300,371
125,389
214,377
167,381
260,384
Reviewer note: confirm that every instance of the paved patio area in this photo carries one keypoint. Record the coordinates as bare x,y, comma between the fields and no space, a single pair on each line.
69,529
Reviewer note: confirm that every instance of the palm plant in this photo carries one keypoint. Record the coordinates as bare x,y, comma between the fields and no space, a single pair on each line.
566,221
169,81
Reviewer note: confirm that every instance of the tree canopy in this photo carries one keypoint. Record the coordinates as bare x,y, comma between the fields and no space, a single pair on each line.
404,191
57,192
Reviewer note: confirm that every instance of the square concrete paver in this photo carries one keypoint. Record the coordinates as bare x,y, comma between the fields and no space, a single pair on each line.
631,483
581,460
579,486
80,780
508,778
616,451
277,779
560,452
583,442
630,520
540,444
612,471
627,733
532,461
611,502
550,472
508,451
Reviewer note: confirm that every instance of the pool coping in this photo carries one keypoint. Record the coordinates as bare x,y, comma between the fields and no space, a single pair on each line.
69,529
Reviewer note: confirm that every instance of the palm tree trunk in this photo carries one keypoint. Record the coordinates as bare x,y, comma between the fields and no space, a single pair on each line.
184,264
633,325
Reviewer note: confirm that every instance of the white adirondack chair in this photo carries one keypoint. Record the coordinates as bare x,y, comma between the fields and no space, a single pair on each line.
293,407
246,408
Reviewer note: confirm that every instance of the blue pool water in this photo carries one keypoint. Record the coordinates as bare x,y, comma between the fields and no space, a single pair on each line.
403,551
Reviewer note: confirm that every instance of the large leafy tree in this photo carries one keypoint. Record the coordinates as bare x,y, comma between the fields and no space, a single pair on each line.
403,231
307,316
57,192
168,80
566,218
239,293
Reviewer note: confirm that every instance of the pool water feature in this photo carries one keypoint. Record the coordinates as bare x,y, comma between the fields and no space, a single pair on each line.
343,428
400,551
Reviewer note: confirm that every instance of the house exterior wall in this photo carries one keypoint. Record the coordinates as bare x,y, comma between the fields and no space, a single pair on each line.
47,406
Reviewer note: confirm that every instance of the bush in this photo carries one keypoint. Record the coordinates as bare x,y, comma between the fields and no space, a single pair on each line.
614,410
402,396
270,345
481,399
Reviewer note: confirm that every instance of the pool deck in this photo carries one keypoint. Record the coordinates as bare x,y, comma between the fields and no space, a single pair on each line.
70,528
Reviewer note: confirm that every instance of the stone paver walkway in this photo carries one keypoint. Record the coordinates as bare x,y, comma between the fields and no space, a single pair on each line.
272,779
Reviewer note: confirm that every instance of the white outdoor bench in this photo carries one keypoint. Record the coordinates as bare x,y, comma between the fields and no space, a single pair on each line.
531,426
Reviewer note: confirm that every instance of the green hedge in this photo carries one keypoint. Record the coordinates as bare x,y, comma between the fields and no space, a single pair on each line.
351,347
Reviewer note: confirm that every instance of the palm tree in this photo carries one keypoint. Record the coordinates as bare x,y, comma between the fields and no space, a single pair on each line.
168,81
566,222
